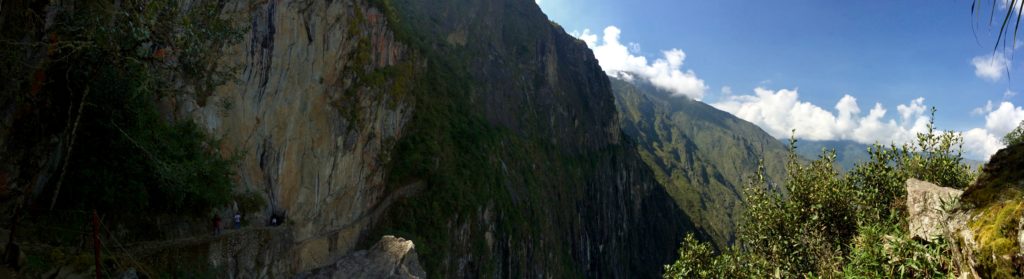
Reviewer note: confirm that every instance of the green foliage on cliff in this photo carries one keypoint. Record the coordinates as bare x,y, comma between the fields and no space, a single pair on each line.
101,70
996,202
821,223
471,166
495,140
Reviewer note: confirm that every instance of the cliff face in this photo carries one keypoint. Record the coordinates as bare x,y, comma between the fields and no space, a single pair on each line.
312,126
479,130
703,156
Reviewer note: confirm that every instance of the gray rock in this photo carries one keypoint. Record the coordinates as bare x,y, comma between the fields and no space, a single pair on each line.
129,274
391,257
927,216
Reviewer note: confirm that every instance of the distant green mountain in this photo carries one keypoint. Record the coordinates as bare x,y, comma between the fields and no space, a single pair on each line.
848,152
703,156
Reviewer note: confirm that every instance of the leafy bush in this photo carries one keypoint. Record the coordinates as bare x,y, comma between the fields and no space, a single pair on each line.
697,260
886,252
824,224
937,158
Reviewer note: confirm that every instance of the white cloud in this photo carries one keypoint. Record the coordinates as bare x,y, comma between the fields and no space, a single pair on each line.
1004,118
619,60
983,110
983,142
586,37
779,112
980,143
991,67
915,108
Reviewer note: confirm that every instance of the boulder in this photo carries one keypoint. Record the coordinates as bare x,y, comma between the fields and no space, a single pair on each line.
927,215
391,257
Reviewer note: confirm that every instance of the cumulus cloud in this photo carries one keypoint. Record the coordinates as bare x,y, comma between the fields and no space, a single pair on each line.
983,110
780,111
726,91
1004,118
622,61
991,67
983,142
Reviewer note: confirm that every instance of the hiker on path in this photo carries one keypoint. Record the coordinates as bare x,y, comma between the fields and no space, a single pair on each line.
216,224
238,220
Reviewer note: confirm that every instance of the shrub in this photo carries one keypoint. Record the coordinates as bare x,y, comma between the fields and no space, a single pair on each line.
823,224
1016,136
886,252
937,158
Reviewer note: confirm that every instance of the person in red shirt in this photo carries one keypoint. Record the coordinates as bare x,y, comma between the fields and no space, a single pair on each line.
216,224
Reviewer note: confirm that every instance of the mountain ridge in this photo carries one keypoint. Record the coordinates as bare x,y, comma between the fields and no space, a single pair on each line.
703,156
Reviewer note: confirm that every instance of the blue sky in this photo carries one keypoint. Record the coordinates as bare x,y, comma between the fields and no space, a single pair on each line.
806,53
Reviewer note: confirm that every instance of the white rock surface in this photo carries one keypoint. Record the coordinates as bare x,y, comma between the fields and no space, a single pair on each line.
926,217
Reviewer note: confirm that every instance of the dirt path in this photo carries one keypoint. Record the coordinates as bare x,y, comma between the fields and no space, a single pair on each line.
149,247
141,249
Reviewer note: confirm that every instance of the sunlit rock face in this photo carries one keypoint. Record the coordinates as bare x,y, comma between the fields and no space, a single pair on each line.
324,96
927,206
311,139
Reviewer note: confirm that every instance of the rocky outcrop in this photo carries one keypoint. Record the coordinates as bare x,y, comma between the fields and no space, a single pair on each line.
928,207
935,212
391,257
985,229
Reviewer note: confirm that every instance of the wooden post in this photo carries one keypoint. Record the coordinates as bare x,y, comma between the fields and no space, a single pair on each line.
96,240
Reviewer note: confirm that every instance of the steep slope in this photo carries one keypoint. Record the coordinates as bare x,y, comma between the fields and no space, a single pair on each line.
702,155
516,137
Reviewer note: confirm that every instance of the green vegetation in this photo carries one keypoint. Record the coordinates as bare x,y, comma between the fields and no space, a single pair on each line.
848,153
821,223
996,228
467,164
94,98
1016,136
504,194
125,156
995,203
700,154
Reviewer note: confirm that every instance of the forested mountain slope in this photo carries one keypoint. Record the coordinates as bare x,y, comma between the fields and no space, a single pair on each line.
702,155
